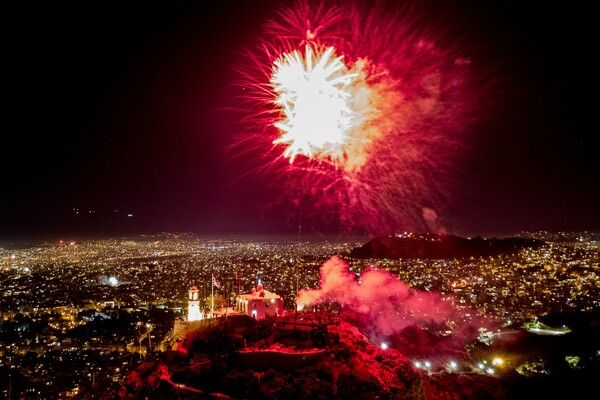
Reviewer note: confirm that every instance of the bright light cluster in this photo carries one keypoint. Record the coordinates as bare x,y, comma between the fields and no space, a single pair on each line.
312,93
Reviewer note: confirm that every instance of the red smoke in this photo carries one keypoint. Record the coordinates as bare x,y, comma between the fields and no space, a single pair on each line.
389,304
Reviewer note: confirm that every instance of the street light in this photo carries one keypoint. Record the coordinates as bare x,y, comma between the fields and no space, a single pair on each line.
139,325
149,326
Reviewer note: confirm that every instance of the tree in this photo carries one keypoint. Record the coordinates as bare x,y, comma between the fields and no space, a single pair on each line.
220,301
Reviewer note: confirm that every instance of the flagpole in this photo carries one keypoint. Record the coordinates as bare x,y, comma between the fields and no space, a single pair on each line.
212,296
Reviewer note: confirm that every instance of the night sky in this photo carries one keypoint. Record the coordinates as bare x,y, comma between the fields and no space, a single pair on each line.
122,108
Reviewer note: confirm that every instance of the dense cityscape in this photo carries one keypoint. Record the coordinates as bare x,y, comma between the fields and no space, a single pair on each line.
78,315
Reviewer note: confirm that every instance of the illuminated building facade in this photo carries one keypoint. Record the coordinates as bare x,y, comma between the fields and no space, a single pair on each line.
259,303
194,305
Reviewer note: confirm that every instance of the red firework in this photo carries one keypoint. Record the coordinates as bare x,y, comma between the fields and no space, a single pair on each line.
359,109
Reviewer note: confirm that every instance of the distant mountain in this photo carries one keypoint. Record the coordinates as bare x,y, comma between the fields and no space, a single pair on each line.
439,246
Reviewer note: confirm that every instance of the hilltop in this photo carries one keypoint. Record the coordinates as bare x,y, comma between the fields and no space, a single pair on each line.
209,366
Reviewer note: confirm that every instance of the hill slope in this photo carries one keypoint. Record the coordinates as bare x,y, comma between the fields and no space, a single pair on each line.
438,246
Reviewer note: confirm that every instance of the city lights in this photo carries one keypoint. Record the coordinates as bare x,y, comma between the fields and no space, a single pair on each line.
160,277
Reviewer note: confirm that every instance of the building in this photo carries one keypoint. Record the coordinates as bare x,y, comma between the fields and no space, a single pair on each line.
196,319
260,303
194,313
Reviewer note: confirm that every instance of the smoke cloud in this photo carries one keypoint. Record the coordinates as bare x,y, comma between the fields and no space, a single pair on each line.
388,303
431,219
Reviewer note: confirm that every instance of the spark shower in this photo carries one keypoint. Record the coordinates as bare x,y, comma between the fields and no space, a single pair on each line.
357,112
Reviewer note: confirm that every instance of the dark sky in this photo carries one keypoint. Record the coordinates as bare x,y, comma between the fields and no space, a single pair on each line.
122,106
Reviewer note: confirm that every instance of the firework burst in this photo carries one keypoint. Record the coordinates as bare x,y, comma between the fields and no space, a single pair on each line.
311,91
360,110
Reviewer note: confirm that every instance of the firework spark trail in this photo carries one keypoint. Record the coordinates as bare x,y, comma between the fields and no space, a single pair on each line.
379,143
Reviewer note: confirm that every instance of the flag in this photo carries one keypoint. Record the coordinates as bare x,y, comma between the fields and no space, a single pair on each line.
216,282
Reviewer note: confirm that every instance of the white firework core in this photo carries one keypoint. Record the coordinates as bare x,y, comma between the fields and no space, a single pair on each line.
312,93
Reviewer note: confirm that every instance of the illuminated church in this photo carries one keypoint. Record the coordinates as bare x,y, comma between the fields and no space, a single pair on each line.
259,303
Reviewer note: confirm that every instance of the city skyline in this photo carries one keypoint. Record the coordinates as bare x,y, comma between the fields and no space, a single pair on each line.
85,317
119,119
